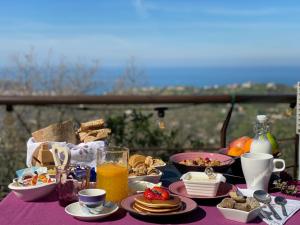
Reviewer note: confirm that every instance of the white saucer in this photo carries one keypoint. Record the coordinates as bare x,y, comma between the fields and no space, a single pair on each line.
75,210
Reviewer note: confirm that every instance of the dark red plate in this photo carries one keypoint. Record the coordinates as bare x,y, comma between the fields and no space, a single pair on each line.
178,188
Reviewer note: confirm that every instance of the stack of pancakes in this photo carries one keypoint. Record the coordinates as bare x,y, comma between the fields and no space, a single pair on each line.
144,205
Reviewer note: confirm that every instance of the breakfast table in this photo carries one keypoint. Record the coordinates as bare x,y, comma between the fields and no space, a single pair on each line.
47,211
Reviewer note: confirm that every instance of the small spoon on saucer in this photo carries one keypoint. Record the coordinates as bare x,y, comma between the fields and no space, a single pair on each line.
279,200
97,210
94,211
265,198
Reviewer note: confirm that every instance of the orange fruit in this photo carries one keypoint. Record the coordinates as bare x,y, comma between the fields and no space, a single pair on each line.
247,145
239,146
239,142
235,151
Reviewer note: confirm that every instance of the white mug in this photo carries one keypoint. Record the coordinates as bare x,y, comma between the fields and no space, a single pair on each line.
257,169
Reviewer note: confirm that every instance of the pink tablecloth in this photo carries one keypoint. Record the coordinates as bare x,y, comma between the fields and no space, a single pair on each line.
13,211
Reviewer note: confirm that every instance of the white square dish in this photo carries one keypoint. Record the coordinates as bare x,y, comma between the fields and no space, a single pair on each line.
198,183
239,215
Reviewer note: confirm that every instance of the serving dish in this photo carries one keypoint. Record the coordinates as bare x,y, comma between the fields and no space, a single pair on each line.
199,182
161,167
150,178
239,215
140,186
32,193
178,188
226,161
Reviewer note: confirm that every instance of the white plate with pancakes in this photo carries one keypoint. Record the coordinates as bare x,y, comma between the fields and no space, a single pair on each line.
176,205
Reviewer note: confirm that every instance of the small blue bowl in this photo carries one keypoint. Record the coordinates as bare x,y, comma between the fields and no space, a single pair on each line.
92,197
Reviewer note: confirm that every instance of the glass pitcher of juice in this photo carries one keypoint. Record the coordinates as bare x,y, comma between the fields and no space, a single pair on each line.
112,172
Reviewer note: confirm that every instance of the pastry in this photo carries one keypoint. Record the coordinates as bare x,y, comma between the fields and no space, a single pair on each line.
136,159
237,198
227,203
252,202
239,202
242,206
140,165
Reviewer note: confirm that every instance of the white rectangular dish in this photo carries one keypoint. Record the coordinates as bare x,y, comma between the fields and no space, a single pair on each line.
198,183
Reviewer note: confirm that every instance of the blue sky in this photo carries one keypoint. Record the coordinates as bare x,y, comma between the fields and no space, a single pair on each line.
164,33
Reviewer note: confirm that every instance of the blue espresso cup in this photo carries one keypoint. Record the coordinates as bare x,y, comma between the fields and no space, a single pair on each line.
92,198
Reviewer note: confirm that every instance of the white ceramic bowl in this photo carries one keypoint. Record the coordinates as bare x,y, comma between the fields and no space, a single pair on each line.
198,183
239,215
32,193
140,186
161,167
150,178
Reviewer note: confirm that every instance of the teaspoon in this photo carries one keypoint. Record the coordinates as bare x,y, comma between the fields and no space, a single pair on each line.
281,201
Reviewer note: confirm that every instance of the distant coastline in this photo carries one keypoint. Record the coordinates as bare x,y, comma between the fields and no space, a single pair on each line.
196,77
209,76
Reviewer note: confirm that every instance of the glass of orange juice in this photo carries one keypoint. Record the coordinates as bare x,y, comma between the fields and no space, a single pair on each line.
112,172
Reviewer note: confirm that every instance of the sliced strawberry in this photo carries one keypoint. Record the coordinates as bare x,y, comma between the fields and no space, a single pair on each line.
165,195
161,193
148,194
157,189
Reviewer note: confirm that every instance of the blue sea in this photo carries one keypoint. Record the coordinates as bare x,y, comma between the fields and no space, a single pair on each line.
201,76
207,76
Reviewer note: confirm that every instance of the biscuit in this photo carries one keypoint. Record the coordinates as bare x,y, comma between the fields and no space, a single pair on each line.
103,133
89,139
92,125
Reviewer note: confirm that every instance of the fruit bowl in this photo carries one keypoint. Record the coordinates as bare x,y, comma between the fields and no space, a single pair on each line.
32,193
226,161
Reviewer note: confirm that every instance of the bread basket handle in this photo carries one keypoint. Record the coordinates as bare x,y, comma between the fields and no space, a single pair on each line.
57,151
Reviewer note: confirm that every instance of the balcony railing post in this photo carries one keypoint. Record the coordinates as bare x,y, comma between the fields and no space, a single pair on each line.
225,126
297,157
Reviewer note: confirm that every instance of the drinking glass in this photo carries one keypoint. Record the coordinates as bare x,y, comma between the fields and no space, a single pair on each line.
70,180
112,172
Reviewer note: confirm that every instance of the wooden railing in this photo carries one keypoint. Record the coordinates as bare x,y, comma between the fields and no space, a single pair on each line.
10,101
125,99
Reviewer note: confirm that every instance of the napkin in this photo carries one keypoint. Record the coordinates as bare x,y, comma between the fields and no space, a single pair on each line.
81,154
292,207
